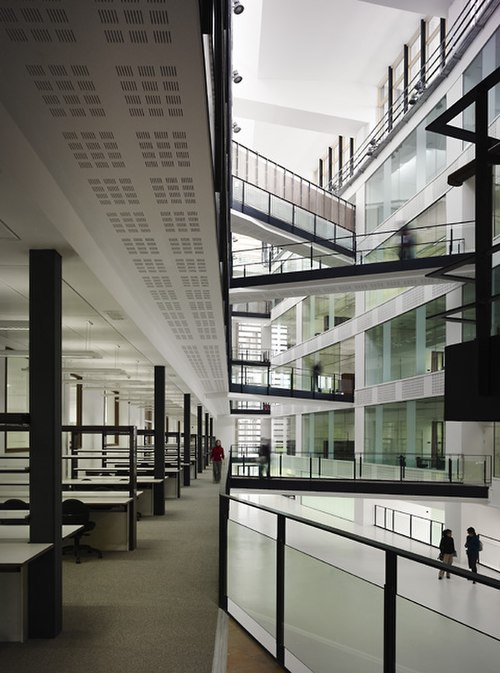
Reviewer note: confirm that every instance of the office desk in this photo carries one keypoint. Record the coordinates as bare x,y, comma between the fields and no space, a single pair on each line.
7,516
21,533
173,483
114,513
15,558
145,499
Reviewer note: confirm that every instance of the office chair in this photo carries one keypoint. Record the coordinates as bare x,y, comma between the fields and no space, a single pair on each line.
76,512
15,503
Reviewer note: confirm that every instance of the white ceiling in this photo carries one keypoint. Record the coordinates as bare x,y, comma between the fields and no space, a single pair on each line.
311,70
106,158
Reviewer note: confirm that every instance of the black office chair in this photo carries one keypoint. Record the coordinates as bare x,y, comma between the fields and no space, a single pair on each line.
75,512
15,503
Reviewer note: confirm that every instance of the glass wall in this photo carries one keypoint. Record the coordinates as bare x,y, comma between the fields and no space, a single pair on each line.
412,428
329,433
419,158
496,445
284,331
408,345
484,64
431,235
321,313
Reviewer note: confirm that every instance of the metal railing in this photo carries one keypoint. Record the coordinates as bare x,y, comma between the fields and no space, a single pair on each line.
446,469
278,180
339,585
429,531
439,64
292,379
284,214
434,240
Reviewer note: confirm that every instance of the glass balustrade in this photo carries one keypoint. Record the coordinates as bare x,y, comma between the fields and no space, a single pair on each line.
321,598
434,240
383,467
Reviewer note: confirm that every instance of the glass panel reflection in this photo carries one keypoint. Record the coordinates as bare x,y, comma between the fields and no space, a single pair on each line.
427,641
251,574
331,616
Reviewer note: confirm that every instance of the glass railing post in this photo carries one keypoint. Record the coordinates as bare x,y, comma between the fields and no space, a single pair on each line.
280,588
310,467
390,591
450,470
223,521
281,465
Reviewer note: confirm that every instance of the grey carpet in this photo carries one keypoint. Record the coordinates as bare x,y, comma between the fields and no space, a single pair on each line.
153,609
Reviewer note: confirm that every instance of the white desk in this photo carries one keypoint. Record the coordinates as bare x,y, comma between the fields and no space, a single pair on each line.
16,553
145,499
114,514
14,560
21,533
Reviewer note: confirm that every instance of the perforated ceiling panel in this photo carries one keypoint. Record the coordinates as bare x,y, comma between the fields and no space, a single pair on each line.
110,94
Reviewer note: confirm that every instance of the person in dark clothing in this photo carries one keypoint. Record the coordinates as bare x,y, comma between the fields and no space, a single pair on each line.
265,459
446,552
407,245
473,547
316,373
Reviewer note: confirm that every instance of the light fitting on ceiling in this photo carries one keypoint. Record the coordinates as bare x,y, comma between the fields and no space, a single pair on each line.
238,8
72,355
236,128
237,78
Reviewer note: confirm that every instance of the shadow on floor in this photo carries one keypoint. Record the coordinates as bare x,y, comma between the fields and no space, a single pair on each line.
245,655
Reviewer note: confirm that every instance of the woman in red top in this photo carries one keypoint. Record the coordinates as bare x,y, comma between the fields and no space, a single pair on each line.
217,456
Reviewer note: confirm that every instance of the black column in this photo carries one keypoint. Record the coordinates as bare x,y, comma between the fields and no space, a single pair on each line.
406,71
390,594
320,172
199,437
187,439
483,234
423,50
442,41
341,159
390,98
207,438
159,426
330,166
45,385
211,438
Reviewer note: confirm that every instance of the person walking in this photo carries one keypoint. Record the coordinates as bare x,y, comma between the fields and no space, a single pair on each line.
217,456
473,546
265,459
447,552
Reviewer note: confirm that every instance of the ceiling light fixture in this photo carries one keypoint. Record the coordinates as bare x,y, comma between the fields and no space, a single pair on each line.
75,355
236,128
238,8
237,78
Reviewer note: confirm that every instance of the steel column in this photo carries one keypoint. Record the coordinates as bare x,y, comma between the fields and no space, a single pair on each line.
45,386
159,440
